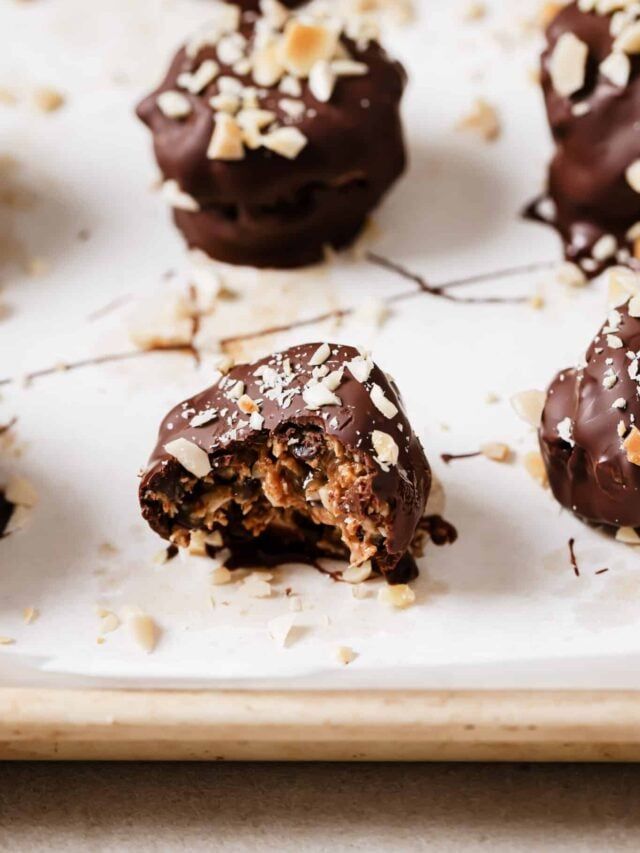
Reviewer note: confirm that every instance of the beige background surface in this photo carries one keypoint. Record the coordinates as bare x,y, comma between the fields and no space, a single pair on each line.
260,807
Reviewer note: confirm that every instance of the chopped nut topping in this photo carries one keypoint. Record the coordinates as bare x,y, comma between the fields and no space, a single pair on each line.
256,588
358,574
568,64
236,391
627,535
614,342
318,395
616,68
305,44
175,197
193,458
496,451
286,141
346,655
482,120
226,140
199,79
622,283
629,39
571,275
401,595
247,405
320,355
632,174
360,368
385,448
631,445
528,405
6,641
382,403
173,104
535,468
322,80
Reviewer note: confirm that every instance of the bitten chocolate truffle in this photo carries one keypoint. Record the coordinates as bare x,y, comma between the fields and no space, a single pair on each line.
309,449
591,84
277,132
589,433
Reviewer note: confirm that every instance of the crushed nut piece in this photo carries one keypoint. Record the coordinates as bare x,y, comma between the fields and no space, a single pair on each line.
496,451
528,405
48,100
286,141
568,65
346,655
305,44
226,140
173,104
220,576
358,574
400,595
29,615
280,627
482,119
190,456
534,465
627,535
143,630
631,445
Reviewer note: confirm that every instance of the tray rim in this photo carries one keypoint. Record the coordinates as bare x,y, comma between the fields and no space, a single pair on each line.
336,725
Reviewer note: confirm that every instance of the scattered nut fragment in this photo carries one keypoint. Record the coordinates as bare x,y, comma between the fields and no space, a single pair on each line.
143,630
29,615
220,576
400,595
382,403
109,621
48,100
568,65
570,274
631,445
483,120
386,449
358,574
548,12
535,468
622,283
629,39
496,451
175,197
256,588
528,405
474,11
616,68
627,535
280,627
6,641
345,654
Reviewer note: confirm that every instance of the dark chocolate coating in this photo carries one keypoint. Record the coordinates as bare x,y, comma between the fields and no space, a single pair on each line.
267,210
6,511
405,486
587,173
594,478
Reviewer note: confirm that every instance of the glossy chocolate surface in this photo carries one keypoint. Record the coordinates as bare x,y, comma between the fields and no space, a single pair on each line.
589,472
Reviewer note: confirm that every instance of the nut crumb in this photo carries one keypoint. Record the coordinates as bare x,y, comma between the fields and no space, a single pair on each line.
346,655
29,615
48,100
496,451
482,120
400,595
535,467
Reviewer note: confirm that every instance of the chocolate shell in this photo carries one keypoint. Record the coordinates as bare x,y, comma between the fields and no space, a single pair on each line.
591,179
588,434
317,426
268,208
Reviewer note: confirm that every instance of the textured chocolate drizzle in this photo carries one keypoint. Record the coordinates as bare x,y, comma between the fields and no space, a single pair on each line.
586,181
593,477
405,486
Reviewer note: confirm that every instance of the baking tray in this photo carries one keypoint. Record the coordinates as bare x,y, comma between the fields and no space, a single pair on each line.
507,652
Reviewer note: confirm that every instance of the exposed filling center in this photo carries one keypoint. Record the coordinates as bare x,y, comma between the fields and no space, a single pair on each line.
298,486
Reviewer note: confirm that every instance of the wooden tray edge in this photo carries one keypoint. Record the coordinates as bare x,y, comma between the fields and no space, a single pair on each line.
474,725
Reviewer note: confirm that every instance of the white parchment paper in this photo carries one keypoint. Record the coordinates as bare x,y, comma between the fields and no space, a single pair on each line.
500,608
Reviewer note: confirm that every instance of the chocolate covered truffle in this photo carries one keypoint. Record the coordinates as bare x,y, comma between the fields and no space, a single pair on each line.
277,131
308,450
591,84
590,428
